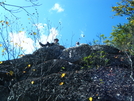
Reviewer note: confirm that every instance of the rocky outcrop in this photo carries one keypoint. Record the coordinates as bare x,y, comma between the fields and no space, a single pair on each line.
58,74
103,84
76,53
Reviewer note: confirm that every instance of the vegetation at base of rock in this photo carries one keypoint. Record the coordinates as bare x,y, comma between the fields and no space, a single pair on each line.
96,59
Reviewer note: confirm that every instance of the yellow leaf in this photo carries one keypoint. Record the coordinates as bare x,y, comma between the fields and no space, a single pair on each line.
1,62
61,83
0,45
21,48
4,50
1,21
34,69
101,80
132,4
90,99
16,43
19,45
132,21
24,71
11,73
115,56
129,8
62,75
63,67
29,66
32,82
20,31
34,33
6,22
21,55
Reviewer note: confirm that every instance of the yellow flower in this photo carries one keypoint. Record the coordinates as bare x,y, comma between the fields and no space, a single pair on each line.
32,82
61,83
90,99
1,62
62,75
0,45
29,66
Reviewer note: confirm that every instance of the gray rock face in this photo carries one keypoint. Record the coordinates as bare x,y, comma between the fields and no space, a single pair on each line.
4,93
50,67
76,53
47,53
58,74
106,84
105,48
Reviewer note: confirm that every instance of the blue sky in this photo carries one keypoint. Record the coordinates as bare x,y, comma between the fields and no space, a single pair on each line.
77,18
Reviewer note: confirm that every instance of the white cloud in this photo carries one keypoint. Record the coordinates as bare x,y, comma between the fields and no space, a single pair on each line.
82,34
52,35
21,40
44,31
57,8
41,27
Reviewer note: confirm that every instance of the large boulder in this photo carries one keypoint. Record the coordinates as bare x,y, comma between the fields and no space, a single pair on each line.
47,53
4,93
105,48
21,65
75,54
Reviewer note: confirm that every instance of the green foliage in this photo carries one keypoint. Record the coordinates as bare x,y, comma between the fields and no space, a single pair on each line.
125,7
96,59
122,36
62,68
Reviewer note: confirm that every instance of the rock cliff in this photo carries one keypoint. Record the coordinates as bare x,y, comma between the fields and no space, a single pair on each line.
58,74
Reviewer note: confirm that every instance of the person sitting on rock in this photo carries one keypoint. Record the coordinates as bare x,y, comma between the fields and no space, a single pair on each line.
77,44
56,41
50,44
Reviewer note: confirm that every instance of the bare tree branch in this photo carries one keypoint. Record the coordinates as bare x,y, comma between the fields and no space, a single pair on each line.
18,8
